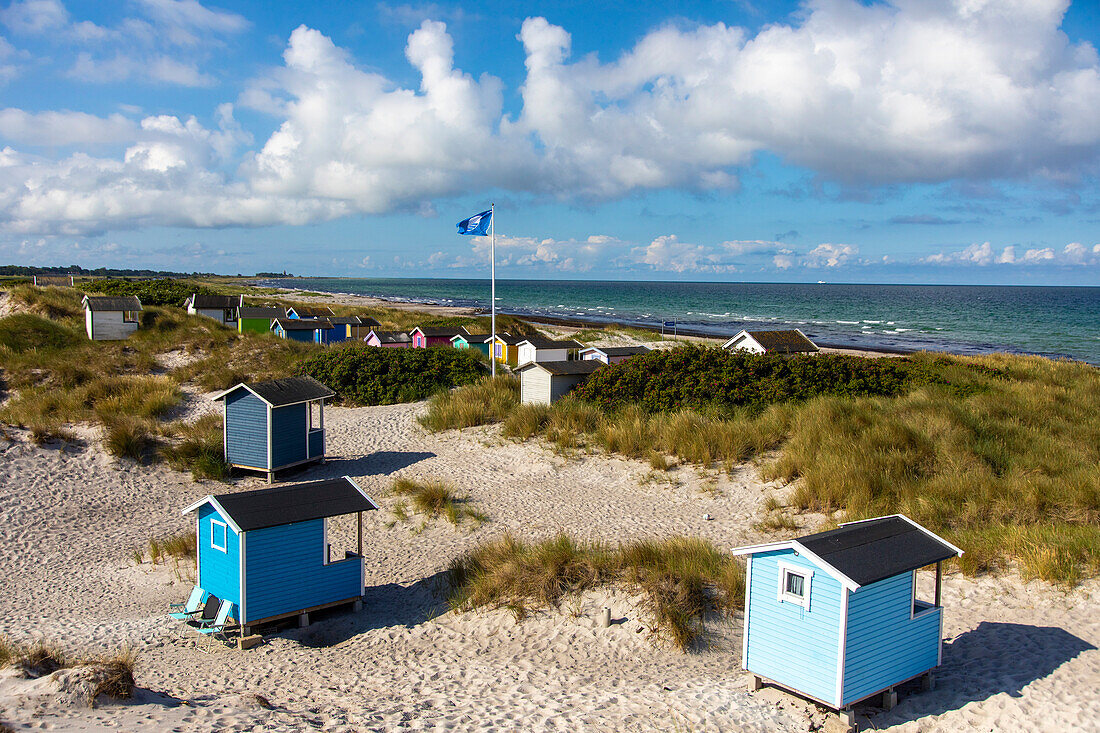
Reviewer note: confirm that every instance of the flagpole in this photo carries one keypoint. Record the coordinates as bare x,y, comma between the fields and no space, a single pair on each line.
493,285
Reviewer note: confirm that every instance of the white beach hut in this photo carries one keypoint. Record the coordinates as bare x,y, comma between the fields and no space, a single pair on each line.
546,382
790,341
538,348
110,318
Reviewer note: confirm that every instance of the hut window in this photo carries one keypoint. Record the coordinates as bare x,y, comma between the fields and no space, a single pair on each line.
129,316
218,535
794,584
230,314
920,607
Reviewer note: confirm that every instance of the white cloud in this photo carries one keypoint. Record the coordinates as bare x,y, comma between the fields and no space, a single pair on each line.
908,91
34,16
984,255
185,21
830,255
58,129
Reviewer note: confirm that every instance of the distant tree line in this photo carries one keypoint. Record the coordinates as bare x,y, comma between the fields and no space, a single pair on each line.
102,272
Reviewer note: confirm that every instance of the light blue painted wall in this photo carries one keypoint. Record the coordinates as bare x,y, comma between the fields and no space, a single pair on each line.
219,572
286,571
884,646
246,429
796,647
288,434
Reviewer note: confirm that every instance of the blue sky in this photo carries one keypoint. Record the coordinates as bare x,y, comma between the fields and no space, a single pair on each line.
952,141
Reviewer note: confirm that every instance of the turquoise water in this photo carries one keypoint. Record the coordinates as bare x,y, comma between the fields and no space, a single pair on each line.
963,319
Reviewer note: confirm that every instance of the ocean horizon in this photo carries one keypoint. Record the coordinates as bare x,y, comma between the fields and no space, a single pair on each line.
1052,321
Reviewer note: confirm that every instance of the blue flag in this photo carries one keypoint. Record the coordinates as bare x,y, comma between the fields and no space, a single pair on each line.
477,224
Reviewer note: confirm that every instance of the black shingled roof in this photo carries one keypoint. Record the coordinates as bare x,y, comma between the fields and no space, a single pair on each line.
563,368
541,342
199,300
447,331
290,390
392,337
302,324
784,342
113,303
622,350
297,503
877,549
254,311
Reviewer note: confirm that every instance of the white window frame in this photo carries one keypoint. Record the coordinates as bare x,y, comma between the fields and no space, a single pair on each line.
225,529
913,613
785,569
129,316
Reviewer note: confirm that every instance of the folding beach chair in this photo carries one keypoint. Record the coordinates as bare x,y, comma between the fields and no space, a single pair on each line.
184,611
216,628
204,617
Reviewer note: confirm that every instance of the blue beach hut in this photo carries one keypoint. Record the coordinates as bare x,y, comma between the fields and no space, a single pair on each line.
300,329
269,426
835,616
268,551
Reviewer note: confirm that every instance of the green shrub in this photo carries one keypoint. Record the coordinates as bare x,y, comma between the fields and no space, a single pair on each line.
707,378
365,375
160,292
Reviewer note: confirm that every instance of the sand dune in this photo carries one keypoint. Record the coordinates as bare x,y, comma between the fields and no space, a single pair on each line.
1020,656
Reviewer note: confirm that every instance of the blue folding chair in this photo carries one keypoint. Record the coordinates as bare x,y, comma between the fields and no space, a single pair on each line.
216,628
185,611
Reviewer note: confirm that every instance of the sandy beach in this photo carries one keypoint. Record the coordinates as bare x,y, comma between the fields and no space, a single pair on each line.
1017,655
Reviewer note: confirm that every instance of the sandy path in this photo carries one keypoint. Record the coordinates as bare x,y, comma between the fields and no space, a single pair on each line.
1020,656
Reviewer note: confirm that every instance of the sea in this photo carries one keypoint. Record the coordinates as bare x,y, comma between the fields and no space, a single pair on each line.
1059,322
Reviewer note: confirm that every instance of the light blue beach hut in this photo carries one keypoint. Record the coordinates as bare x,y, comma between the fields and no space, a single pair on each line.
269,426
268,551
835,616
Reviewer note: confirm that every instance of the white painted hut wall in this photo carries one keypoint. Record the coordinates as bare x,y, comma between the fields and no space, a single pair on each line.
593,356
107,325
747,343
534,387
218,314
528,353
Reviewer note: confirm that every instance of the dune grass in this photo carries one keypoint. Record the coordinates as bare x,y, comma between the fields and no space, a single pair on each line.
682,579
1000,454
43,658
434,498
198,448
485,401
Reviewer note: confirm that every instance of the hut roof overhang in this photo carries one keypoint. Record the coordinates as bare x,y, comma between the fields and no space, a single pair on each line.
279,505
564,368
198,300
301,324
617,350
283,392
541,342
390,337
257,311
97,303
449,332
864,552
790,341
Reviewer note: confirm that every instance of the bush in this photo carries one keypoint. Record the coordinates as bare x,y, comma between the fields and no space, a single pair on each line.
707,378
150,292
365,375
